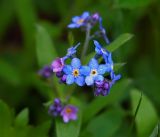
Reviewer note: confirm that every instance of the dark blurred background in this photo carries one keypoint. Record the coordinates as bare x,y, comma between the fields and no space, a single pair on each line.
19,85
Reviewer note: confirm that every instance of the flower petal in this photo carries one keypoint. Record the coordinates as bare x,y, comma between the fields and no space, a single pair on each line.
103,69
99,78
70,79
96,43
65,119
85,70
97,50
80,81
67,69
75,19
89,80
93,64
85,15
76,63
73,116
73,25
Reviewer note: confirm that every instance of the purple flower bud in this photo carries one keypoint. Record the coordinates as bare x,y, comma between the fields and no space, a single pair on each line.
102,88
57,65
55,108
99,84
63,79
59,74
45,72
68,113
95,17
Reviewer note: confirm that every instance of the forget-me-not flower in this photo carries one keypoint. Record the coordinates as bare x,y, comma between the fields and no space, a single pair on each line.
104,53
71,51
73,73
69,112
95,72
79,21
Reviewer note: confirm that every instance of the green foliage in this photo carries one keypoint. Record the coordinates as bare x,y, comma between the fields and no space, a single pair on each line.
106,124
44,46
145,113
117,93
5,119
9,73
155,132
70,129
22,118
133,3
21,127
119,42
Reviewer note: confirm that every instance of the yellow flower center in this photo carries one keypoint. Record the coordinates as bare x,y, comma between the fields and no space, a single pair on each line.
93,72
80,21
68,110
75,73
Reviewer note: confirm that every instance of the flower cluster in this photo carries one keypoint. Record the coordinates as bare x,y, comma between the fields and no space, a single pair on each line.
100,76
68,112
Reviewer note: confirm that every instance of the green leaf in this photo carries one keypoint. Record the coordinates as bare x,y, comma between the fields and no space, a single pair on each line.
5,119
9,73
155,132
119,42
106,124
22,118
44,46
27,17
146,117
117,92
70,129
117,66
131,4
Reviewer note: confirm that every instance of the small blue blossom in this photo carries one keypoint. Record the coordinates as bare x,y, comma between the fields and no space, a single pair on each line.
99,50
79,21
71,51
73,72
104,53
114,77
95,72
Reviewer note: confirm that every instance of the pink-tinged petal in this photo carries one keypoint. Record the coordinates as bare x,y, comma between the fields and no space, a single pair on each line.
65,119
73,116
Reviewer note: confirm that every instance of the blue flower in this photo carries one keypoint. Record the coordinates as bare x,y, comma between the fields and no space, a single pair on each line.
99,50
104,53
73,72
114,77
79,21
71,51
95,72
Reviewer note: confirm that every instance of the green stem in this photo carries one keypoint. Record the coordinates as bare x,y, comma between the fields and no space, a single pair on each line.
135,114
85,47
